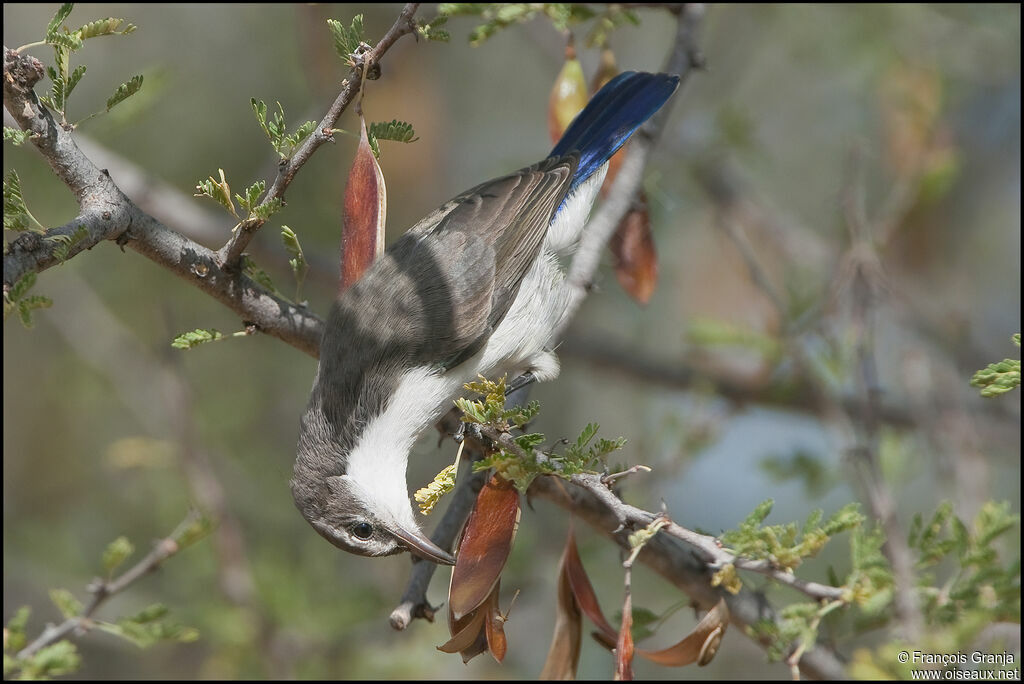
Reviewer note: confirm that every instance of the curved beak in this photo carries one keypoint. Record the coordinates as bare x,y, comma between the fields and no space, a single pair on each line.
418,544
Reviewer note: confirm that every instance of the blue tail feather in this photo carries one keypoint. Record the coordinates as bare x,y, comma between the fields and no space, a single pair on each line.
611,116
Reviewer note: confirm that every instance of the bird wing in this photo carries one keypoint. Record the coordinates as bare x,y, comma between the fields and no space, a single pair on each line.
434,297
469,257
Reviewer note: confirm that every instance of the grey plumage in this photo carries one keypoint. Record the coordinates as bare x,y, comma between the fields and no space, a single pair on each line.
402,314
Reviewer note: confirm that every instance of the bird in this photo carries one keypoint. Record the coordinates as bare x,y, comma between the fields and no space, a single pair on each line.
475,288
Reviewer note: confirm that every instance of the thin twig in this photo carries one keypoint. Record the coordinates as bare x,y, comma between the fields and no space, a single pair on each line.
108,214
102,590
864,279
404,24
414,603
680,564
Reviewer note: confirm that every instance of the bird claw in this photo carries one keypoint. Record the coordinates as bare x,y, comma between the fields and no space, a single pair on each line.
472,429
520,381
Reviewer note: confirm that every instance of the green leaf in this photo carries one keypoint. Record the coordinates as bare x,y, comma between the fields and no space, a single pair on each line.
276,130
124,91
300,134
66,41
530,440
17,137
16,214
73,80
117,552
267,209
27,305
146,634
17,300
430,30
218,191
58,91
150,613
346,40
58,19
65,242
196,529
105,27
66,603
398,131
588,434
252,195
20,288
999,378
259,108
15,634
644,621
195,338
298,261
54,660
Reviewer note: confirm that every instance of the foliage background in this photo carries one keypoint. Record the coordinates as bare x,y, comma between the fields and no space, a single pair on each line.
93,437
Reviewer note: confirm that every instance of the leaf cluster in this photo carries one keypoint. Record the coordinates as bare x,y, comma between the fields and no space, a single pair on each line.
347,40
298,259
398,131
788,545
196,337
250,269
998,378
220,192
497,16
18,299
66,242
522,465
444,482
276,130
980,583
17,217
63,78
145,628
562,15
15,136
57,659
431,30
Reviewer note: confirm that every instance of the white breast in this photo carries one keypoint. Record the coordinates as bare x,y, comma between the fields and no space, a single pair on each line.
520,343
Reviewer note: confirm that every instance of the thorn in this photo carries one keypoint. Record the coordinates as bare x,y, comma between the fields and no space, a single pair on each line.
609,479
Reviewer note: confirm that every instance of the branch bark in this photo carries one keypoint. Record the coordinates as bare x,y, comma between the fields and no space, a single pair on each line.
107,213
679,564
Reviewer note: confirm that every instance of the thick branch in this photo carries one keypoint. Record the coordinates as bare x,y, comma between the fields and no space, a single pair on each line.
677,563
107,214
794,393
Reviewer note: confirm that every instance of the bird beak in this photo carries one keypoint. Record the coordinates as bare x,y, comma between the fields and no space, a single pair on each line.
418,544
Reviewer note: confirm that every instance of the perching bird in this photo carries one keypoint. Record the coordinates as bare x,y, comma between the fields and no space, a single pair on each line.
474,288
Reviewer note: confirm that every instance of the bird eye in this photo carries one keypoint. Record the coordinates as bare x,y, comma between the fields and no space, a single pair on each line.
362,530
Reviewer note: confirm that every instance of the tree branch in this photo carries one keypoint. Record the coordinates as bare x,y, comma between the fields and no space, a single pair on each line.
232,250
679,564
794,393
107,214
690,569
102,590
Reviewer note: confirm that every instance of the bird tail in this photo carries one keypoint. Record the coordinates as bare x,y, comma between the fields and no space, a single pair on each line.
611,116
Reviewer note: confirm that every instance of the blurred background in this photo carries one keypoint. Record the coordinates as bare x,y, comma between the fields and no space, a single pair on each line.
731,382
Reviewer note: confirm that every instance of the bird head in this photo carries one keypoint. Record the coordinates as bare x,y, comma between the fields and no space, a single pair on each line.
354,502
